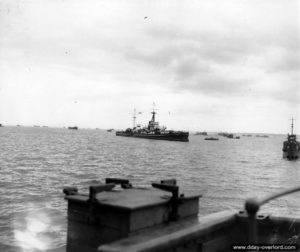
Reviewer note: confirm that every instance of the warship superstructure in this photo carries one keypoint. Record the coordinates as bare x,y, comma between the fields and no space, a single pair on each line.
153,131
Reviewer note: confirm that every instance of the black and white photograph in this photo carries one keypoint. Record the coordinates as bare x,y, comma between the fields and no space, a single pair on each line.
149,125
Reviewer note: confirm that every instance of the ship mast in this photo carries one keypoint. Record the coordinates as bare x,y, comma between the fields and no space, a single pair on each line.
134,117
153,113
292,126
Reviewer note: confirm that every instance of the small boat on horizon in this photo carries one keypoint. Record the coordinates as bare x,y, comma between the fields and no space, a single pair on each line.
265,136
110,130
291,147
153,131
211,138
229,135
200,133
73,128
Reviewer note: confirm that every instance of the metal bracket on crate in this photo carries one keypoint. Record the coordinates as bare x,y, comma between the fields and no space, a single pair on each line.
123,182
110,183
94,190
168,182
70,190
170,186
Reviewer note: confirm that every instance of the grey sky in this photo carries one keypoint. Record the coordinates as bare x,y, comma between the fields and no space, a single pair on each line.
214,65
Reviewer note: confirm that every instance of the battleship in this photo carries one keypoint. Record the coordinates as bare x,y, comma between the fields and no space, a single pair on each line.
153,131
291,147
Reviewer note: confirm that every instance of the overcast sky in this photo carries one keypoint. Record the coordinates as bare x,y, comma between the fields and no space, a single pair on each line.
208,65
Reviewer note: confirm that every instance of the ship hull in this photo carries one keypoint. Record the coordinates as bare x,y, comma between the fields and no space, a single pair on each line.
291,154
174,136
291,148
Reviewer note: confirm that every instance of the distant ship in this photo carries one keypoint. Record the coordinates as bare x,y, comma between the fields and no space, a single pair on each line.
291,147
266,136
109,130
211,138
224,134
73,128
154,131
201,133
228,135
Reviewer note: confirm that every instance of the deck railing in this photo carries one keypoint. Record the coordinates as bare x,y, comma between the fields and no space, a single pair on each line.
252,206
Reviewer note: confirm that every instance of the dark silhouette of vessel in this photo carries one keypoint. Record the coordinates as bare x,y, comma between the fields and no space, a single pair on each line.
291,147
265,136
73,128
201,133
211,139
228,135
154,131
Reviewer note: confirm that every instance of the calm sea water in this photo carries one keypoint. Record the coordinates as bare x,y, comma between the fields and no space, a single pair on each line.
36,163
